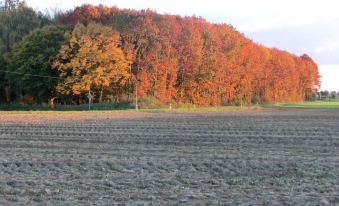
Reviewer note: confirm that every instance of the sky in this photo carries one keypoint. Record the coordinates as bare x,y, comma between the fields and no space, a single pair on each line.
297,26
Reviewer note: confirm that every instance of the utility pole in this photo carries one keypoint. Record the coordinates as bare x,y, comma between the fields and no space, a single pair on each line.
136,96
136,84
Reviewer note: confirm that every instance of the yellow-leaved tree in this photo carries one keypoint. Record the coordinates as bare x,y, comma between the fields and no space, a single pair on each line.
92,62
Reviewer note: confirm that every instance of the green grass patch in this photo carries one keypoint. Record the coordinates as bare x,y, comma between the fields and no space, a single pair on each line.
108,108
201,109
330,104
66,107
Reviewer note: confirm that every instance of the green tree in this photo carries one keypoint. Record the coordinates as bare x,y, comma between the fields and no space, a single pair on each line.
16,21
30,63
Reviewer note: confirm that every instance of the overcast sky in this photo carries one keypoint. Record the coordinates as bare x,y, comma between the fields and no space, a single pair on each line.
298,26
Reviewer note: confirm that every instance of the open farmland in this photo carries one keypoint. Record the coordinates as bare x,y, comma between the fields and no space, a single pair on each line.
257,157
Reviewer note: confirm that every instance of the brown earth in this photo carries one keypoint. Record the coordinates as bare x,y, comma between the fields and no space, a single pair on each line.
259,157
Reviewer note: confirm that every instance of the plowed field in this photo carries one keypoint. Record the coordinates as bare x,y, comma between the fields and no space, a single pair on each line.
264,157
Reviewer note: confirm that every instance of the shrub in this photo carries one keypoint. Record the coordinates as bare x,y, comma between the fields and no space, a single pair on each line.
150,103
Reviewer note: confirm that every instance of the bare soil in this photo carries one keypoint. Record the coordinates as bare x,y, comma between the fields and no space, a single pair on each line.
259,157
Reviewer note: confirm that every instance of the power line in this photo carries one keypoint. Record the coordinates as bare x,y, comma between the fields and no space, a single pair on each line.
33,75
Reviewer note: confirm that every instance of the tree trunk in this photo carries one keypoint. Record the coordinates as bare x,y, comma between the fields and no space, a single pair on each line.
136,95
89,99
101,94
136,85
8,93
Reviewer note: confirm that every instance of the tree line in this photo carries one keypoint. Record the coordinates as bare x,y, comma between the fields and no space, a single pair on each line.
118,55
326,95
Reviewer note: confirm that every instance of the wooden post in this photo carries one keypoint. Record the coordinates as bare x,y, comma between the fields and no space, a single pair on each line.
52,103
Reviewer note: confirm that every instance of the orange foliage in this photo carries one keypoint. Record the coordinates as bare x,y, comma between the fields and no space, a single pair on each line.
189,60
92,61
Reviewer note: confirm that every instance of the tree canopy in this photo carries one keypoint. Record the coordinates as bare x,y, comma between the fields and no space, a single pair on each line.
92,61
120,54
34,56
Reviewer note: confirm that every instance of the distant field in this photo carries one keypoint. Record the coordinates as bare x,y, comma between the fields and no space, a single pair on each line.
243,157
332,104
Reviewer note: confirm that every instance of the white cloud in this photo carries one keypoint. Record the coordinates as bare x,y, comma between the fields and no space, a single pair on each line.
330,77
328,47
267,13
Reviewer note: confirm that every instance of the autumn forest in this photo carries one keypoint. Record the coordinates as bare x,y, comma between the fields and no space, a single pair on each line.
119,55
